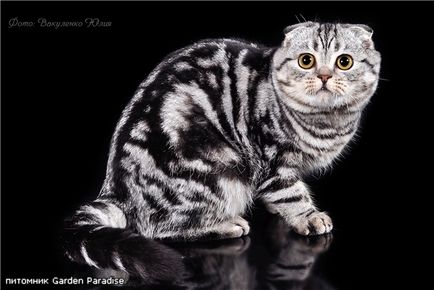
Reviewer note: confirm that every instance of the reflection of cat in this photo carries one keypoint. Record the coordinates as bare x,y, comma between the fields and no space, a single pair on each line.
286,264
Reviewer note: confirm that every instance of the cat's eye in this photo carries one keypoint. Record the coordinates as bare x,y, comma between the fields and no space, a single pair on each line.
306,60
344,62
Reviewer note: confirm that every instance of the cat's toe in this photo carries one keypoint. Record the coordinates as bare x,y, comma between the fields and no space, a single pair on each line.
236,231
239,221
317,223
235,228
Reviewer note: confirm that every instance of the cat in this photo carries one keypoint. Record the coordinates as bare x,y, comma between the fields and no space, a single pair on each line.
225,123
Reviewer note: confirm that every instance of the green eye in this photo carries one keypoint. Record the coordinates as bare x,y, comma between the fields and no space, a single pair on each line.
306,60
344,62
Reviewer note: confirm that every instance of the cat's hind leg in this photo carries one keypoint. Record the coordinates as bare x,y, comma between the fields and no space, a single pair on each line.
228,229
234,228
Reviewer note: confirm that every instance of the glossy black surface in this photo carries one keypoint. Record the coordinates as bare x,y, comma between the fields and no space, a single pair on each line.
63,91
270,258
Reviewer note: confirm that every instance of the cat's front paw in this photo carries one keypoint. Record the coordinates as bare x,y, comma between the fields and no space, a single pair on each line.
316,223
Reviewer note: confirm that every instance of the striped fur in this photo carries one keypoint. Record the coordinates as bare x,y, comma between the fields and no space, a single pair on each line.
222,123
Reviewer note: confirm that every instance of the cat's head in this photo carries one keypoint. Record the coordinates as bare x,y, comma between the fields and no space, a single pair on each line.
326,66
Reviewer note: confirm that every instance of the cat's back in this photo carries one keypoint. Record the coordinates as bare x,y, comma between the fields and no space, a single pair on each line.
203,70
204,63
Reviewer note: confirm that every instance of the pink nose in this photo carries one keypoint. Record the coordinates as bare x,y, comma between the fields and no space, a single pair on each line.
324,78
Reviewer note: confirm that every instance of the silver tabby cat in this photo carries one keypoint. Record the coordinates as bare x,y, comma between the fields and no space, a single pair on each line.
222,124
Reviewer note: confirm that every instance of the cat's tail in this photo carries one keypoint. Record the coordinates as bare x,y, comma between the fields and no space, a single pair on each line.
97,235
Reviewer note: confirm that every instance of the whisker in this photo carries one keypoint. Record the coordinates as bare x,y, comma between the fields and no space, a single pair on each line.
297,18
383,79
301,15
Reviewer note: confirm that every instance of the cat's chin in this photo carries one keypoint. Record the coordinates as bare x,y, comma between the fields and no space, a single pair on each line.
324,93
323,98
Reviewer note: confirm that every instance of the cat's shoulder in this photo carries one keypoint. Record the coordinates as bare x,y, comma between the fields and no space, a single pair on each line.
206,53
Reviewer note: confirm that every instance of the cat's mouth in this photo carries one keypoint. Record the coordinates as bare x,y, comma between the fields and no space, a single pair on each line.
324,89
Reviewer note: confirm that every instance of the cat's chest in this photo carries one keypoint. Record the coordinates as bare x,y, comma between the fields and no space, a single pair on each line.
320,159
321,143
295,157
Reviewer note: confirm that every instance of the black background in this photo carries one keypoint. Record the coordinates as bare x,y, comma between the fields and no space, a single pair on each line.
63,91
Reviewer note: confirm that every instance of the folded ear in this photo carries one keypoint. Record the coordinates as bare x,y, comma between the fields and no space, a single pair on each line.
364,32
290,30
363,29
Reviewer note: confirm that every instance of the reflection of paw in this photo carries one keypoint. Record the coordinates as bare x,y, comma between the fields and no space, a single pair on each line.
233,247
314,244
321,243
317,223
